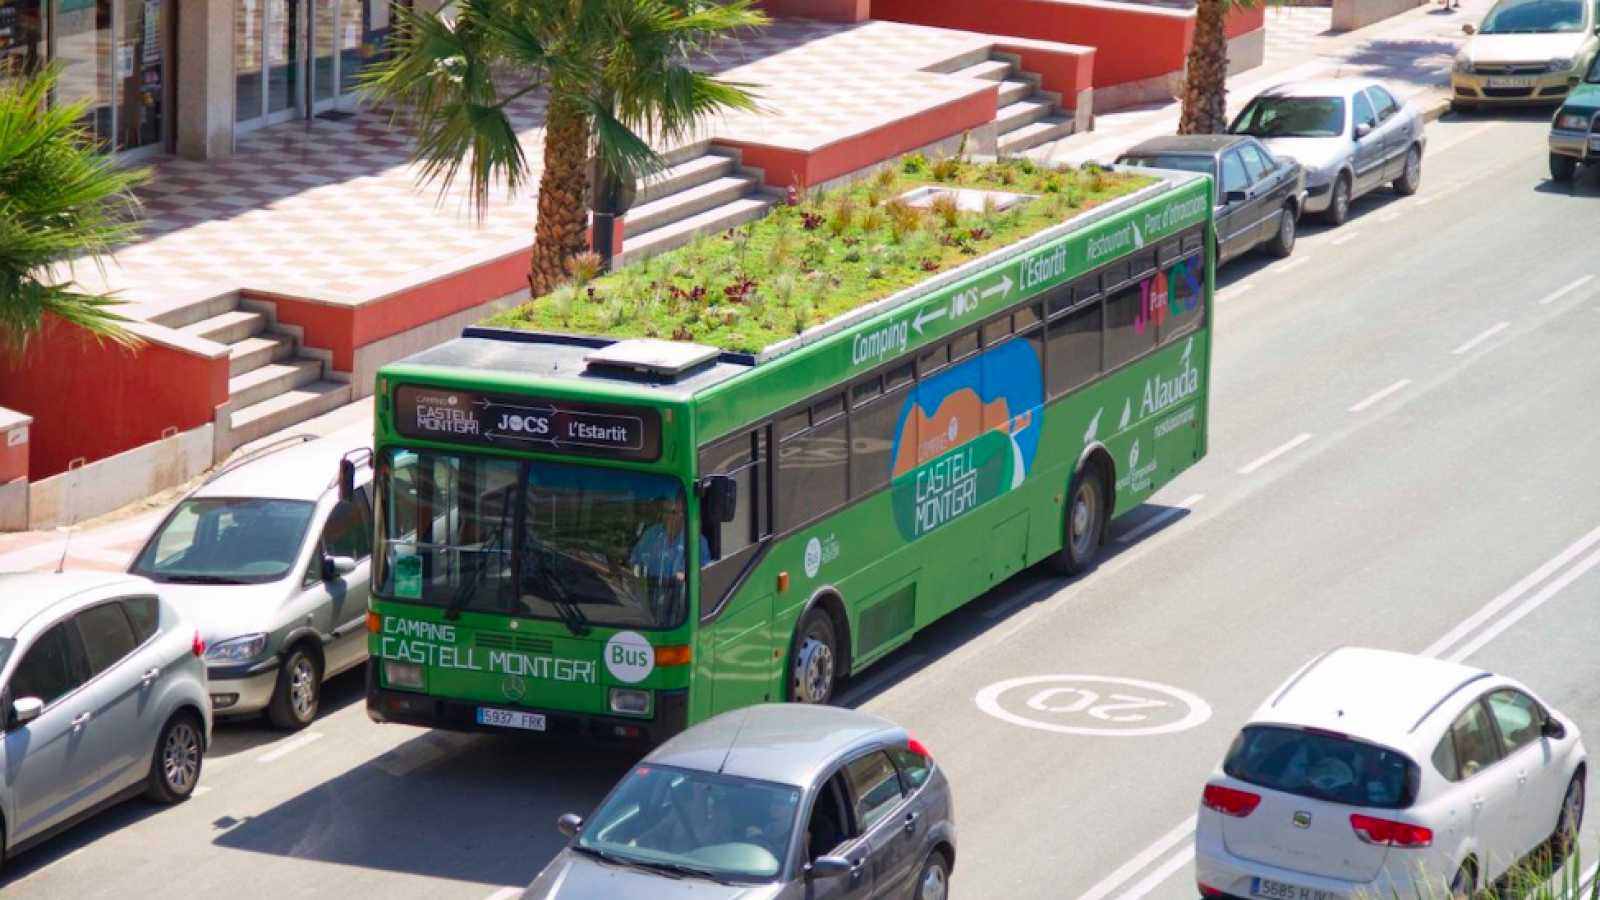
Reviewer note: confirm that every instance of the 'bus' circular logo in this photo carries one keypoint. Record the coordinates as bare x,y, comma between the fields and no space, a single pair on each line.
813,557
629,657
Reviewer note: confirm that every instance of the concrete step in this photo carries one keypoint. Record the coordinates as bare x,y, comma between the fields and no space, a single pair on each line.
676,234
1012,90
988,70
1021,113
230,327
966,60
287,409
271,380
687,203
685,175
254,352
1033,134
197,311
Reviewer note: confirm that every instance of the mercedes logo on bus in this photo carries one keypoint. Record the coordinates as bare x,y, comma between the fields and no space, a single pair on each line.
513,687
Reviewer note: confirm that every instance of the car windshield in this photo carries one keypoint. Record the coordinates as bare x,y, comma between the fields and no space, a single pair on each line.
696,823
1179,161
227,540
1292,117
1323,766
578,544
1534,17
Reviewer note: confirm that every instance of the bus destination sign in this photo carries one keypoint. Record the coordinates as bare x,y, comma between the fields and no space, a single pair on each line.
530,423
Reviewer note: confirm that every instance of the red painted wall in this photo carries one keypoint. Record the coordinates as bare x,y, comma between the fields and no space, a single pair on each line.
95,400
13,460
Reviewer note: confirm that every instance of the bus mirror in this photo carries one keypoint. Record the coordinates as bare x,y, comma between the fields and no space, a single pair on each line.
721,499
347,479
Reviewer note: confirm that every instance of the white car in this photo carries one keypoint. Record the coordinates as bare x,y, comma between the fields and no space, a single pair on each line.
1379,774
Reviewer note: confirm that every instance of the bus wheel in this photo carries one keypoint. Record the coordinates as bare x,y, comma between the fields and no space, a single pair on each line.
815,658
1086,522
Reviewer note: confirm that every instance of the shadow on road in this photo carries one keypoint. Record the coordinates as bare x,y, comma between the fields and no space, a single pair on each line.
231,737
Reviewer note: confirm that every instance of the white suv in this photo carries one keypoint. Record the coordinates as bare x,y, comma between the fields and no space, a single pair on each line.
1378,774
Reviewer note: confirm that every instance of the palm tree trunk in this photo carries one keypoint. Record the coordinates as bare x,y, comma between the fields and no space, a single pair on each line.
563,222
1205,94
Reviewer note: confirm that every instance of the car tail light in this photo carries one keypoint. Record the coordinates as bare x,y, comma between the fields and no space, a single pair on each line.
1385,833
915,746
198,647
1230,802
1207,890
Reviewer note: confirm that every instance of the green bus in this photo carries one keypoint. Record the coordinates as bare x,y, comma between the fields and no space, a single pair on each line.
610,540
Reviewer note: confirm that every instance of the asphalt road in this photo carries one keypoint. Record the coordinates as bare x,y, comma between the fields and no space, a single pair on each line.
1403,436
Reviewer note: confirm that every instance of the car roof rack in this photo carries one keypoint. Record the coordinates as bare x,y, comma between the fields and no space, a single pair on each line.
1306,670
1476,676
280,444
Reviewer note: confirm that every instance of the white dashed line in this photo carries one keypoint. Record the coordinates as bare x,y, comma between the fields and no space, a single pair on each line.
1153,880
1275,454
1293,264
1226,294
1566,290
1424,201
1388,217
505,893
200,791
289,747
1346,238
1464,348
1146,857
1398,385
1161,518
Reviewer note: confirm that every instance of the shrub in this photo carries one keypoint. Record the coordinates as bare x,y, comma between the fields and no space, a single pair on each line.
946,169
904,219
946,208
842,217
914,164
584,267
873,219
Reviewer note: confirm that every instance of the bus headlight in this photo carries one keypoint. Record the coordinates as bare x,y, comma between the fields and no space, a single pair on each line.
402,674
630,702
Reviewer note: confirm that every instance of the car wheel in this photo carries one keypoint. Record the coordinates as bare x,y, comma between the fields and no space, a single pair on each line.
1338,210
934,884
175,768
1411,178
1085,524
298,696
1465,884
1282,243
1568,821
815,667
1563,168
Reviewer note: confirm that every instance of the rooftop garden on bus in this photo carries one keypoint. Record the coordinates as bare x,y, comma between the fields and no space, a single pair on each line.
820,255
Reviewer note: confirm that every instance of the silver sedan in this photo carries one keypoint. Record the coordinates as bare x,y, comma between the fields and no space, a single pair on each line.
1352,136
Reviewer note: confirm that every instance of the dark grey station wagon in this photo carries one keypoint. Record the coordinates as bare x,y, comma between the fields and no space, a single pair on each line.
769,802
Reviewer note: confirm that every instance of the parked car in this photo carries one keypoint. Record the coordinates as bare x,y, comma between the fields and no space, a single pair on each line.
1351,135
1575,130
770,802
104,699
1259,195
1526,51
1378,774
273,564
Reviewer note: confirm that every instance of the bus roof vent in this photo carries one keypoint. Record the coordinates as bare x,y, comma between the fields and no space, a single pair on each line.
652,359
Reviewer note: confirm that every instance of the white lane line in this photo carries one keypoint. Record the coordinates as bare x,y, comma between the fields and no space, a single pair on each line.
1513,593
1388,217
505,893
1153,880
1481,338
1424,201
1460,137
1345,238
1275,454
1528,606
1026,597
881,678
1161,518
1566,290
288,747
1147,856
199,791
1398,385
1226,294
1292,264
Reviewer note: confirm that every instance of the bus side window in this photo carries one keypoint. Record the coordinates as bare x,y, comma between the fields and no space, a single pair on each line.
872,438
813,473
737,458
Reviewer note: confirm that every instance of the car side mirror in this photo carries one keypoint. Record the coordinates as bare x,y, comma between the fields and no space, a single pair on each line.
1363,129
830,867
1232,197
347,479
337,567
570,824
26,710
720,499
1466,28
1553,729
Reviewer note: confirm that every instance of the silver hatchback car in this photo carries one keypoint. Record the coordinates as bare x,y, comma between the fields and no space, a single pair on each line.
770,802
104,698
270,558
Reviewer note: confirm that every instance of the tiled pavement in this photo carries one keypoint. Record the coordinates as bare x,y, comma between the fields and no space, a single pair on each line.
321,208
1295,32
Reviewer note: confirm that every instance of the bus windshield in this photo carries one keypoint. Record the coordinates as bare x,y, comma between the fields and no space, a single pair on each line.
577,544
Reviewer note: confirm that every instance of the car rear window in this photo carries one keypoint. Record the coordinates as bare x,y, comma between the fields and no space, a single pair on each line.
1322,766
1180,162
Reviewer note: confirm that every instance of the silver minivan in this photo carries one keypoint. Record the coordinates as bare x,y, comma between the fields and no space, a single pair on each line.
270,557
103,695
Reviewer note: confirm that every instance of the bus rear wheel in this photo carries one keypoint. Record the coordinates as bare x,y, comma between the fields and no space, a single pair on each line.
813,668
1085,525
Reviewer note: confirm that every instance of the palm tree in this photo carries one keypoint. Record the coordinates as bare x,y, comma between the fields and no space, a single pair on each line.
1205,87
62,200
617,76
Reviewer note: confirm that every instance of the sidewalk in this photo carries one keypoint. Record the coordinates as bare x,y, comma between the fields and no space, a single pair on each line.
1412,53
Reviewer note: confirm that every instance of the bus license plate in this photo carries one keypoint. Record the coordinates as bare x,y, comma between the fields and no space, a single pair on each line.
510,718
1510,81
1277,890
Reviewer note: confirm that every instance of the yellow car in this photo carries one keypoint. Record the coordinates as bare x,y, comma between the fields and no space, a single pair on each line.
1526,51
